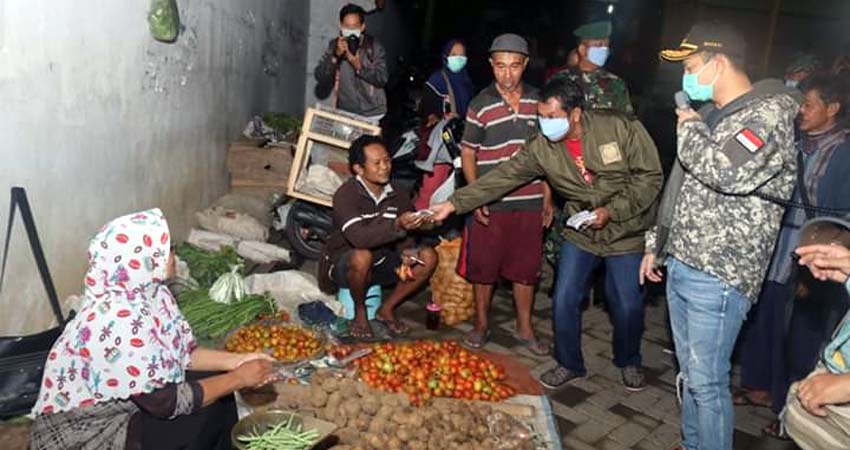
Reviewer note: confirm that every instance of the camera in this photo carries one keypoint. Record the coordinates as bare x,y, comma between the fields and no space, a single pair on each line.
353,44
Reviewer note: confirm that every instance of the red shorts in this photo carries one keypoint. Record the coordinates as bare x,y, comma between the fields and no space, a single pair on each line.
510,247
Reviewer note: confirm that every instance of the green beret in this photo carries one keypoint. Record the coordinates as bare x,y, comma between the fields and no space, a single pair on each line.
594,30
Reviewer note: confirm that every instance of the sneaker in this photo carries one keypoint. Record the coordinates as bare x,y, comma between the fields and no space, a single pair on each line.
633,378
558,377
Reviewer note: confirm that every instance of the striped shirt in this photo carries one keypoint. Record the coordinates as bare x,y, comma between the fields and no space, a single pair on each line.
496,132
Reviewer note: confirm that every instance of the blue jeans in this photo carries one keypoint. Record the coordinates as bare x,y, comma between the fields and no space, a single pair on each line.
706,315
625,302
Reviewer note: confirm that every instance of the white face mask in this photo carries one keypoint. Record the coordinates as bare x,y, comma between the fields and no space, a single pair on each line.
348,32
792,83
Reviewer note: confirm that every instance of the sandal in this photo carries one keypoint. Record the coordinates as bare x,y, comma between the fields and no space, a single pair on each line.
776,431
476,340
742,397
535,346
395,327
360,331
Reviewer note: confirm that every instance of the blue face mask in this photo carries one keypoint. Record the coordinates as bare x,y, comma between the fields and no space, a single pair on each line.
598,55
456,63
554,129
695,90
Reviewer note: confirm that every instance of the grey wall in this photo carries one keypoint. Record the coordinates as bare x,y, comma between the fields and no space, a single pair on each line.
98,120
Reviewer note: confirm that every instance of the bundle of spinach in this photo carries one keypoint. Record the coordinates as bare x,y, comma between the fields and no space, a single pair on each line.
206,267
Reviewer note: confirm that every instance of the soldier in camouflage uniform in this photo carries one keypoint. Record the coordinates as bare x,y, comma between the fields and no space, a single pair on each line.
715,226
602,90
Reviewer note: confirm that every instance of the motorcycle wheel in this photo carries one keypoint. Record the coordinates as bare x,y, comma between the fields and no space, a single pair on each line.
303,238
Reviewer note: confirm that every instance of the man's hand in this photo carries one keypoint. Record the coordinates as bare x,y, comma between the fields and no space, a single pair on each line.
826,262
482,215
548,213
648,271
354,60
442,211
603,216
685,115
410,221
341,47
824,389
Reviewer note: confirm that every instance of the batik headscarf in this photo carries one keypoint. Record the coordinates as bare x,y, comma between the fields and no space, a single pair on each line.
129,337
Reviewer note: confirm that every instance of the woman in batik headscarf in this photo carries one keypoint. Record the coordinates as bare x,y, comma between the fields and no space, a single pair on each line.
117,376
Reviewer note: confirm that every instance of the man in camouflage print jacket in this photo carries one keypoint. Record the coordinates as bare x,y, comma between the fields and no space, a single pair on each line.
715,229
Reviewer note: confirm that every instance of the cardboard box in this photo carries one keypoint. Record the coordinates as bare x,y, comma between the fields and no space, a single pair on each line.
265,168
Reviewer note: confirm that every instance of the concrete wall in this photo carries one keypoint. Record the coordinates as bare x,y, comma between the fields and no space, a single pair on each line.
387,25
99,120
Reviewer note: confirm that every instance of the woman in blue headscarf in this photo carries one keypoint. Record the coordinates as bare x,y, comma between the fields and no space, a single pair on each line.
447,94
449,89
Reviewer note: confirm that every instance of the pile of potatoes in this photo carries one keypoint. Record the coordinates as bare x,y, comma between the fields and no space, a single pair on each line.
450,290
373,420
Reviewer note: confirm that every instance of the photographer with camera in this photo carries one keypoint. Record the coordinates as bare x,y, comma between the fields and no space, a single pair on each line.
354,68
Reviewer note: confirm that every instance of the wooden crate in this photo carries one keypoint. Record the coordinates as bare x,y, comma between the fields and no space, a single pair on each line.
255,167
331,134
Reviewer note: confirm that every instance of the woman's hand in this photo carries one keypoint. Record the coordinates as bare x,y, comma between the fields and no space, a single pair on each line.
235,360
255,373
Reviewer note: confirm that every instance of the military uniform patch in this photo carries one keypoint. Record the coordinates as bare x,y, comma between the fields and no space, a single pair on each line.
749,140
610,153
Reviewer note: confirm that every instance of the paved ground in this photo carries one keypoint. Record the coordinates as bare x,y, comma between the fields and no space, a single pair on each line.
597,412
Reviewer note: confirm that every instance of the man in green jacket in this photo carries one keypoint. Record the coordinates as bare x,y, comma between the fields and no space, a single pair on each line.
604,163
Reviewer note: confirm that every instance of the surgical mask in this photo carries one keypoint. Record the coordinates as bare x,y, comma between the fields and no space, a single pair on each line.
554,128
349,33
792,83
695,90
456,63
598,55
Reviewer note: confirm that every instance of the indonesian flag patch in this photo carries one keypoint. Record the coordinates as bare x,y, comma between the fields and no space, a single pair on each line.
749,140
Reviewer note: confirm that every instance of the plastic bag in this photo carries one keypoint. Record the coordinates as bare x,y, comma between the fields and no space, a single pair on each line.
262,252
209,241
240,226
290,288
164,20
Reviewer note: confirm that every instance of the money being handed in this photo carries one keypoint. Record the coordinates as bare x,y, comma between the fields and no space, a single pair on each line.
582,220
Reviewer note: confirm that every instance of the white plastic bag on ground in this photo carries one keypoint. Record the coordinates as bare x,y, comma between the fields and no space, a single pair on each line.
290,288
262,252
209,241
236,224
256,206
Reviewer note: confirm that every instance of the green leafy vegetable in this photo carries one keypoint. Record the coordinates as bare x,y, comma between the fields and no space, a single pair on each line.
206,267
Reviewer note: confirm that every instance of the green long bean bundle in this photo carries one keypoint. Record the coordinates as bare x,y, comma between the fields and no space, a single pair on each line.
283,436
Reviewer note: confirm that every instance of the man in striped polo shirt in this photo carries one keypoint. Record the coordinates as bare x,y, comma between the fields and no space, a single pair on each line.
505,238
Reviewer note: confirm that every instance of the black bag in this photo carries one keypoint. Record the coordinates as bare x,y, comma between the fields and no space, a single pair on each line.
22,358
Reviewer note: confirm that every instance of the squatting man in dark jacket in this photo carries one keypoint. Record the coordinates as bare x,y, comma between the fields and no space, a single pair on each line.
369,244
